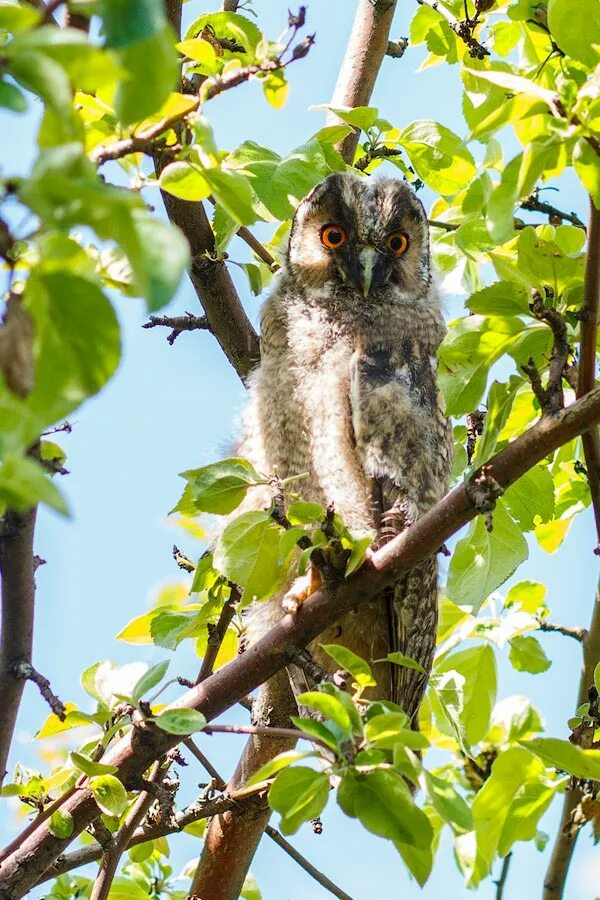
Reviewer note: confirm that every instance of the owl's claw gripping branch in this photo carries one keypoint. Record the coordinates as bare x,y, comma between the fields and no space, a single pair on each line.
483,490
301,590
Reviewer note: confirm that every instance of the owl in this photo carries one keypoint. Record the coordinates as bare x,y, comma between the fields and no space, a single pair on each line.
346,392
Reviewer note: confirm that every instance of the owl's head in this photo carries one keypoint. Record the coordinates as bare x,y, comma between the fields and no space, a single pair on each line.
362,233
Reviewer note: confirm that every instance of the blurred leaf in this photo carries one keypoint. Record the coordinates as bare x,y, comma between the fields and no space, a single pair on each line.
24,483
448,802
89,767
576,34
61,824
478,667
566,756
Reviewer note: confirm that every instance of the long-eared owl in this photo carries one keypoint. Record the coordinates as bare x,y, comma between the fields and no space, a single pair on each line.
346,392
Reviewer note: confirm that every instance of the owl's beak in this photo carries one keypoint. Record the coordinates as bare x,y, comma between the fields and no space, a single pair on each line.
367,258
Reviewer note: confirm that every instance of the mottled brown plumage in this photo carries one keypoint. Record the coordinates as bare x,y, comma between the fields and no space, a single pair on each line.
346,392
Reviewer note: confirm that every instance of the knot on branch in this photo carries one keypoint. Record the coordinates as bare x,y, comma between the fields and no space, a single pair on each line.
483,490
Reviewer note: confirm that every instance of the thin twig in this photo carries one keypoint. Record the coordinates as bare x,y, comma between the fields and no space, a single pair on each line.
551,397
556,216
216,634
266,731
501,883
189,322
376,153
122,839
577,633
308,867
220,782
464,29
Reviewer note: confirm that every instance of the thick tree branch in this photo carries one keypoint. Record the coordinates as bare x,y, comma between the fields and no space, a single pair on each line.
17,567
138,750
564,844
367,46
587,355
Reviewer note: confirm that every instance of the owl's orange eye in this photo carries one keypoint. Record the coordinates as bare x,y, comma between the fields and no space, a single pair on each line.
397,242
333,236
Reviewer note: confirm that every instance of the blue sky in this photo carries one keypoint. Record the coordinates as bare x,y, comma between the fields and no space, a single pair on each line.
173,408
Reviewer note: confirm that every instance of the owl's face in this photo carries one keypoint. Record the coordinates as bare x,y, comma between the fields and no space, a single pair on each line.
363,234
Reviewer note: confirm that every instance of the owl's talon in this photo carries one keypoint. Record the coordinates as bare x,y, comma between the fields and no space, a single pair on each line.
301,590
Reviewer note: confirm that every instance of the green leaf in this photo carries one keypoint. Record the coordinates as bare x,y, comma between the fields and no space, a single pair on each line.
576,31
357,667
228,25
279,762
527,655
149,679
483,560
505,298
499,403
471,346
388,729
361,117
61,824
439,157
89,766
250,890
526,596
401,660
531,499
447,699
77,340
220,487
109,794
299,795
11,97
358,553
184,181
448,803
515,84
159,257
15,18
232,190
247,553
24,483
329,707
301,513
478,667
317,730
383,804
585,162
126,889
180,721
567,757
511,772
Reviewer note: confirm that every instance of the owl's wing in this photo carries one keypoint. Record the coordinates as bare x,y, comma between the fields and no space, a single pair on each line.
401,438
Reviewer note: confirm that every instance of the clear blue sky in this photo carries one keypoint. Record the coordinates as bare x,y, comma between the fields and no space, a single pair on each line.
173,408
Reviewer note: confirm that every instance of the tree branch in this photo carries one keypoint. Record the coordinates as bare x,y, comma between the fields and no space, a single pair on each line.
134,753
587,356
556,874
501,883
318,876
26,671
189,322
216,634
578,634
367,46
555,216
18,604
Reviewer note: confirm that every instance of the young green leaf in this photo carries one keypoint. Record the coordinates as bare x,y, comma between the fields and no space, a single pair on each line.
89,766
109,794
247,553
299,795
220,487
152,677
180,721
357,667
61,824
527,655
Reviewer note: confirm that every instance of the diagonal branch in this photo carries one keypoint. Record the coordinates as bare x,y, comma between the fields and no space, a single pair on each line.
564,844
140,748
17,567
